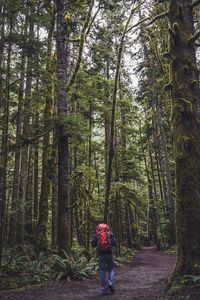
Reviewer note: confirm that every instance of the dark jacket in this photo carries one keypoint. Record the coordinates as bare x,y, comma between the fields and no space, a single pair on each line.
105,252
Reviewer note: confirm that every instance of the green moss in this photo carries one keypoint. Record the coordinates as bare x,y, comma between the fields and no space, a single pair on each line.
176,28
168,87
176,288
183,139
188,105
194,82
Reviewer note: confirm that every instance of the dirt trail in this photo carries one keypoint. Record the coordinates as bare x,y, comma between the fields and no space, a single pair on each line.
143,279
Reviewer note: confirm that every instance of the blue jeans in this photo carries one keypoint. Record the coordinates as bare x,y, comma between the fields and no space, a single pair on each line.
106,263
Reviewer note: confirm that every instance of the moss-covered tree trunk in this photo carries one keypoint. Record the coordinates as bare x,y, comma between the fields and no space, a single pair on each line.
16,172
127,207
186,136
111,146
42,228
64,222
25,136
54,179
4,141
29,225
166,167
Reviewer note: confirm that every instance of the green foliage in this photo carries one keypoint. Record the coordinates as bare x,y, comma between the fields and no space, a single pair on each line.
69,266
74,125
130,194
22,270
126,255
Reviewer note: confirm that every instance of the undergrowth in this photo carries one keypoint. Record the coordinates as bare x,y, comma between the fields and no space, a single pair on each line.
22,268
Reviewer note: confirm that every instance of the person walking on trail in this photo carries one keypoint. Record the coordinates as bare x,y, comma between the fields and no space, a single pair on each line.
104,241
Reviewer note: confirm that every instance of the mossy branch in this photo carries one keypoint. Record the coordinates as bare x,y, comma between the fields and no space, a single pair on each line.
84,34
92,20
167,55
73,205
134,9
195,3
168,87
194,67
12,83
194,83
31,140
174,33
137,24
74,40
188,104
158,17
176,28
194,37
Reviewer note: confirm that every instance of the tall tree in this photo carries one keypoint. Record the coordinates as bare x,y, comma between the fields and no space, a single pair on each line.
26,131
42,227
64,222
111,150
185,111
4,141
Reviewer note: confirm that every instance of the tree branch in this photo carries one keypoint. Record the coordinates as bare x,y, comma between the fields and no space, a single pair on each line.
11,83
166,13
31,140
92,21
84,34
194,37
138,23
195,3
158,17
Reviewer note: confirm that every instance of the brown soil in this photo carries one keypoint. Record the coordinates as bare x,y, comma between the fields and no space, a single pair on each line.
143,279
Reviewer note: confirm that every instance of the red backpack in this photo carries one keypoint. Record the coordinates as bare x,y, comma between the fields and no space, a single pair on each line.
103,237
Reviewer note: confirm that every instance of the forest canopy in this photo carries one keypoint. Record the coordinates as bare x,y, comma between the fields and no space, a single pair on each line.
99,121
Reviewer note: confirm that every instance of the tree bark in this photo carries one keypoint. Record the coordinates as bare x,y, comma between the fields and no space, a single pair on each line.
25,148
111,151
54,179
64,221
15,191
185,111
4,144
42,227
169,185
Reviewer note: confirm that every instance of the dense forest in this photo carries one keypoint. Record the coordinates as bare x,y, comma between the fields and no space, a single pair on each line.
99,120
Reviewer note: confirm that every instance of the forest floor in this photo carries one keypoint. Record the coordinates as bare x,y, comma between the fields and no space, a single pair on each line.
143,279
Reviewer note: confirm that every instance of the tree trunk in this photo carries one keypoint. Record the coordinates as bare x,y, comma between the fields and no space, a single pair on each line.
4,145
25,148
89,180
42,227
185,109
169,186
64,221
29,225
111,151
36,179
54,179
15,191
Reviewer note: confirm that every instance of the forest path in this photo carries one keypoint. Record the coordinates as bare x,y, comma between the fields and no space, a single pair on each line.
142,279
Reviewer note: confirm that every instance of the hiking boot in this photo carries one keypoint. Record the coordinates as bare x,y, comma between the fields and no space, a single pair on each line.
111,288
105,292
